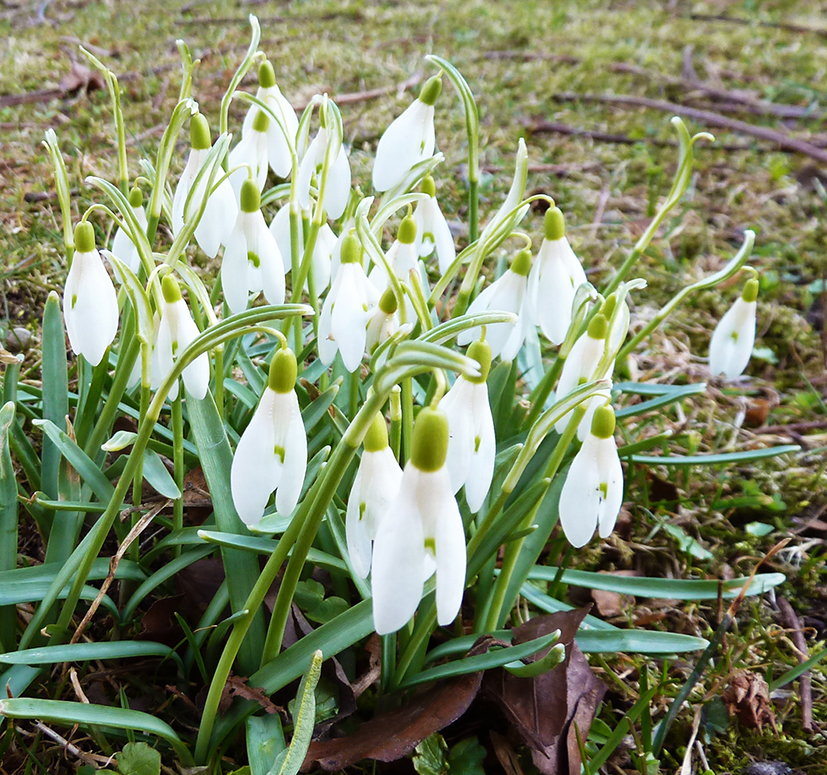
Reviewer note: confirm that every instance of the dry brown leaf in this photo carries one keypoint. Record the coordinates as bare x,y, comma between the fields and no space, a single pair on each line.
237,686
747,697
81,77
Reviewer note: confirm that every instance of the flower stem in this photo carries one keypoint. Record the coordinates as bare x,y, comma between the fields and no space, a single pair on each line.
178,463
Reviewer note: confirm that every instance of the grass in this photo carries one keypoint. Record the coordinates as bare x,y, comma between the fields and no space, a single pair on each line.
542,49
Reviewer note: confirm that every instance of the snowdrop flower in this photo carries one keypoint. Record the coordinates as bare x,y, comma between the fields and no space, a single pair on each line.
593,491
272,452
90,304
251,156
432,230
122,245
554,278
279,150
347,309
408,140
252,261
583,362
384,323
337,186
731,345
375,486
221,209
471,443
422,533
176,329
401,256
507,294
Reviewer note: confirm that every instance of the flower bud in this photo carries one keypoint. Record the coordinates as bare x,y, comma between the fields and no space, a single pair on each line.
603,422
200,132
430,440
250,198
554,224
84,237
351,252
170,289
431,90
283,371
407,231
521,264
266,75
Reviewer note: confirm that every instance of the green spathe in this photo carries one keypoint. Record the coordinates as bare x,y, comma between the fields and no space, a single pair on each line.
250,197
200,133
598,326
283,371
430,440
170,289
84,237
603,422
431,90
554,224
351,249
266,75
521,264
376,438
480,351
750,292
407,230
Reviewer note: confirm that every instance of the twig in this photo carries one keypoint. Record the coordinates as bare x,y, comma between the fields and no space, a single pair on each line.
710,17
791,428
805,685
706,116
371,94
87,758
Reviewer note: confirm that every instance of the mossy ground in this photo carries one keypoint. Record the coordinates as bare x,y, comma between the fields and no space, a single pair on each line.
517,57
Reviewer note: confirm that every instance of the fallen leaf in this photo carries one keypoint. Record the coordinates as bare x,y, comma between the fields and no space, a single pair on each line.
81,77
237,686
505,753
747,697
545,711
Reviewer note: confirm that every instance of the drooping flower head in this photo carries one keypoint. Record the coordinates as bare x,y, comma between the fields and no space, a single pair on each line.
408,140
554,278
279,150
384,322
251,157
122,245
176,330
347,309
593,491
221,208
374,488
472,445
506,294
90,304
252,260
734,336
272,452
422,533
432,230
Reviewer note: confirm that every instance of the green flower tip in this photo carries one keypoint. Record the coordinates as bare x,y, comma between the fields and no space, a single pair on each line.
407,230
170,289
266,75
521,264
84,237
388,303
283,371
200,132
608,308
351,249
250,197
598,326
750,292
136,197
261,122
376,438
430,440
431,90
603,422
480,351
428,186
555,224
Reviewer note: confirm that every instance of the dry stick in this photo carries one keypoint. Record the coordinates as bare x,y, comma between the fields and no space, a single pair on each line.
706,116
91,759
805,685
709,17
114,562
794,427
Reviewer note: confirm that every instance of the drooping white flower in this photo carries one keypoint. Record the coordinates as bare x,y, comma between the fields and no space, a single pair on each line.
90,304
374,488
422,533
279,146
432,230
176,330
252,260
734,336
272,452
337,185
221,208
408,140
384,323
554,278
472,445
506,294
593,491
251,157
122,245
347,309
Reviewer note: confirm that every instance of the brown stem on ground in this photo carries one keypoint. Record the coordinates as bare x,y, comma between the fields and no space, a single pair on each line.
805,686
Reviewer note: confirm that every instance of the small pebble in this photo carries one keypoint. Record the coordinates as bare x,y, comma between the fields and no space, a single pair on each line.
767,768
18,339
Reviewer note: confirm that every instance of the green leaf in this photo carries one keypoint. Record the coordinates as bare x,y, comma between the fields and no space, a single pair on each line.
687,543
138,759
710,460
84,652
8,521
555,656
638,642
466,757
156,473
55,388
430,757
265,741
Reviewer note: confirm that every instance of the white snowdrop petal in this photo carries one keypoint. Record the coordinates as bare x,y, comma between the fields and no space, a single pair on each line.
358,541
580,498
611,472
450,563
407,140
234,272
481,471
337,191
457,405
295,453
732,341
218,219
